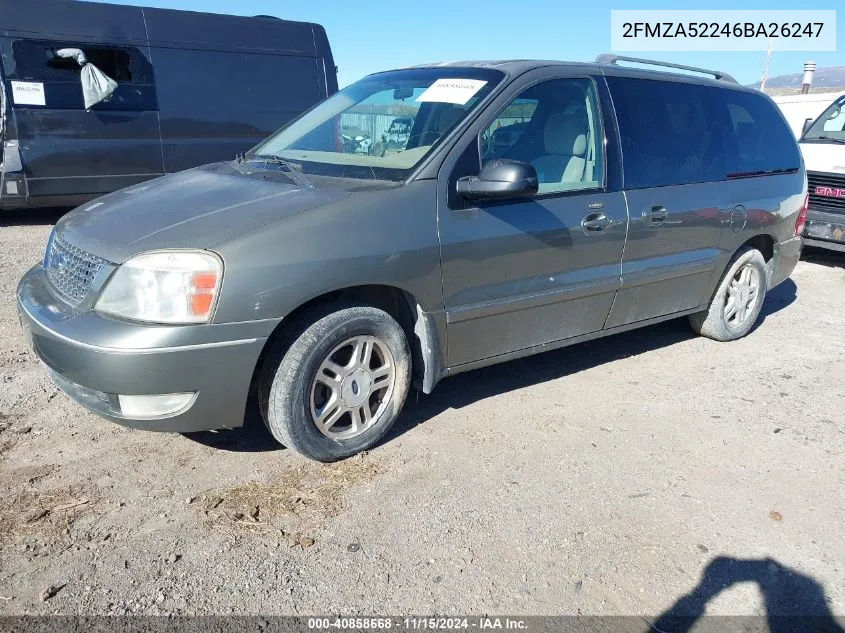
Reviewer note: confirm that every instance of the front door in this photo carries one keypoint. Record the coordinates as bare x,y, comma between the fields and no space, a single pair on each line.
530,271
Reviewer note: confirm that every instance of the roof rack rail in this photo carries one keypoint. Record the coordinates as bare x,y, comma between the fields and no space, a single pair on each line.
612,59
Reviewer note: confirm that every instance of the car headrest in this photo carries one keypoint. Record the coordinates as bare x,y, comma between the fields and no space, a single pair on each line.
565,134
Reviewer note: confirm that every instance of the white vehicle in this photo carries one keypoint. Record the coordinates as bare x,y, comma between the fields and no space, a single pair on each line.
823,147
798,108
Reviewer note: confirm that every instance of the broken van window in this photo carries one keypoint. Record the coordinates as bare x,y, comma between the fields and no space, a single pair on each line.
96,85
37,60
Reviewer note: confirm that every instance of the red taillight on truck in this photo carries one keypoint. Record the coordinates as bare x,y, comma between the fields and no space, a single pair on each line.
801,220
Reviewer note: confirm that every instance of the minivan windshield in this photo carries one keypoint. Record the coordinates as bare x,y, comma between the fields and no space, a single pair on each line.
380,127
830,126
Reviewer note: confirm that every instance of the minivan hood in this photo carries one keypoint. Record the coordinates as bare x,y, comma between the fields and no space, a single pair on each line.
825,157
198,208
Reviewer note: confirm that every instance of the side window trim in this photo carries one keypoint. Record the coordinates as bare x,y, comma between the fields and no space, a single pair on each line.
612,141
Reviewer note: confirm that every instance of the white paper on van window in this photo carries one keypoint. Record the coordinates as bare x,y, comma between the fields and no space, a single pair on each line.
457,91
28,93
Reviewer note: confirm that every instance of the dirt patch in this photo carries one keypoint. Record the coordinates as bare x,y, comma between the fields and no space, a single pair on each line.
293,506
31,474
6,445
47,516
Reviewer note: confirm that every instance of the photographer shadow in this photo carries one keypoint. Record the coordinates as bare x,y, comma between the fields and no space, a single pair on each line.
795,603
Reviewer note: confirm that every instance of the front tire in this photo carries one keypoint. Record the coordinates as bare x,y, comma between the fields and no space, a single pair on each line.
737,301
337,387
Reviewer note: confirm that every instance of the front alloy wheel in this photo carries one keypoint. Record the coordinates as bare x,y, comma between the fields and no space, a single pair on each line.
352,387
335,382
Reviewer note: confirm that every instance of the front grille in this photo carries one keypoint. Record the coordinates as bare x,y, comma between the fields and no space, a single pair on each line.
70,270
827,191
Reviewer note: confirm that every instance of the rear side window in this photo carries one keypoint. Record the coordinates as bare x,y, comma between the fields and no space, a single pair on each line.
759,141
669,134
37,61
676,133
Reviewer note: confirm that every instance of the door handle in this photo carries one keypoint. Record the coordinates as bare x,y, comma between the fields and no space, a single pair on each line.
655,216
595,222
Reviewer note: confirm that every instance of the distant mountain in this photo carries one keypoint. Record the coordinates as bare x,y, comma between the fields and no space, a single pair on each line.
824,80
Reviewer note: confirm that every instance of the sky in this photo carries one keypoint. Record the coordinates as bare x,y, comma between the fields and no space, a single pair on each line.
371,35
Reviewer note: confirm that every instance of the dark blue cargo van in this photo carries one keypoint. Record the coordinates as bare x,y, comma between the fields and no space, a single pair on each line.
177,89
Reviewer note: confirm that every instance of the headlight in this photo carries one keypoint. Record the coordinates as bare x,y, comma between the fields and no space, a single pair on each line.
164,287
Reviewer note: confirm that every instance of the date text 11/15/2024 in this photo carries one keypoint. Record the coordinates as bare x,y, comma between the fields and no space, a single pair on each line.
417,623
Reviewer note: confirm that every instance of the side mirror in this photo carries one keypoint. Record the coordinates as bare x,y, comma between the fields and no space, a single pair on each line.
500,178
807,124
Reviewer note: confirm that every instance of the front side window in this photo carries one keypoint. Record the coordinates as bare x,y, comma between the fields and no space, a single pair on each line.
554,126
382,126
830,126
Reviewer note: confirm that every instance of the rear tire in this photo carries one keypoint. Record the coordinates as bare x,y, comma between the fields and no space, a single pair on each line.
336,385
738,299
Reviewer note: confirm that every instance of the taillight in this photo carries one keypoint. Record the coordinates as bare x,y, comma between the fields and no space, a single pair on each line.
801,220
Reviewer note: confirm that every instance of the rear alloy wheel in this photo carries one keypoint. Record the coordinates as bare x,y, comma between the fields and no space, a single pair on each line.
737,301
337,383
741,296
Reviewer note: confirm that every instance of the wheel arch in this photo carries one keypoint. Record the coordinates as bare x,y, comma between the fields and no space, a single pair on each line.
421,328
763,242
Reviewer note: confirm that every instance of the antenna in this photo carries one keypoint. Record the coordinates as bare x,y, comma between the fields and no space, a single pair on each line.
765,74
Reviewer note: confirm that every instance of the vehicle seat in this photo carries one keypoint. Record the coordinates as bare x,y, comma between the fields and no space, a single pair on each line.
565,141
443,122
447,119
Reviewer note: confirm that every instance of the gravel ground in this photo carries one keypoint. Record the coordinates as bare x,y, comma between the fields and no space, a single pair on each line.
614,477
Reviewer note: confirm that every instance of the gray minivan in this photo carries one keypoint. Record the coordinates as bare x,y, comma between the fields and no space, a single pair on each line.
535,204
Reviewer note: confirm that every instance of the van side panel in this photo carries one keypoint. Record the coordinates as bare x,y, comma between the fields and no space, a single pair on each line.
78,153
324,55
214,104
186,29
84,20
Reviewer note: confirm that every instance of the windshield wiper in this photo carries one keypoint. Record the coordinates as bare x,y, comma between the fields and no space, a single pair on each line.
291,169
825,138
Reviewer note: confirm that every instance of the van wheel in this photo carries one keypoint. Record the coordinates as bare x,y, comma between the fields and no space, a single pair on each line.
738,299
339,386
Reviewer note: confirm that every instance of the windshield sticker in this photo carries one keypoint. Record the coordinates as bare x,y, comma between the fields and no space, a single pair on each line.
28,93
457,91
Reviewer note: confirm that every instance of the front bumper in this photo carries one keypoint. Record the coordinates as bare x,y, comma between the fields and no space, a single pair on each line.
825,230
784,260
94,359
